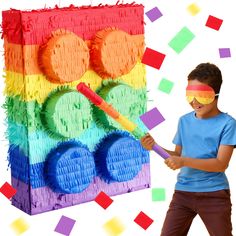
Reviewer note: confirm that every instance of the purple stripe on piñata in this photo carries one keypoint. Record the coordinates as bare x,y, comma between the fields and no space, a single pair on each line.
44,199
21,199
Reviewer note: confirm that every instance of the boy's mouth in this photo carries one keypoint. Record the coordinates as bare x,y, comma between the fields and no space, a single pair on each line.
197,108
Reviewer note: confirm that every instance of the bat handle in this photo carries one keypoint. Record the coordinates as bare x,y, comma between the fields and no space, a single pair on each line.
160,151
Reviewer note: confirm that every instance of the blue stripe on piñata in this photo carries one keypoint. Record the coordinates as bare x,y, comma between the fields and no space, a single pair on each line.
69,168
119,157
22,170
19,163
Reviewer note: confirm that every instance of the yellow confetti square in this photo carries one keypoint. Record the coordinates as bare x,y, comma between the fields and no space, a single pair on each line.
114,227
193,9
19,226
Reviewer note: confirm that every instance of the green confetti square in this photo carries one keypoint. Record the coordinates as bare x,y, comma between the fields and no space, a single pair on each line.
158,194
165,85
181,40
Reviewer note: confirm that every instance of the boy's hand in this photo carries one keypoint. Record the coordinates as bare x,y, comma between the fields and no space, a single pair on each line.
147,141
174,162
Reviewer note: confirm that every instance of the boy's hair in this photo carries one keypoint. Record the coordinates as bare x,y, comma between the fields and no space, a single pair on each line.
209,74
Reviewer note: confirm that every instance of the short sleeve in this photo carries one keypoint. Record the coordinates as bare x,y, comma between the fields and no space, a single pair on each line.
177,140
229,133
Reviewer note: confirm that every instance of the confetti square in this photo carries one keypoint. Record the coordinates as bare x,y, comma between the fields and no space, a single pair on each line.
158,194
65,226
103,200
153,14
114,227
214,23
143,220
19,226
193,9
153,58
7,190
181,40
224,52
152,118
165,85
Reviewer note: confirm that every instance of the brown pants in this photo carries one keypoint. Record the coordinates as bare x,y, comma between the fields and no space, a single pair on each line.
214,208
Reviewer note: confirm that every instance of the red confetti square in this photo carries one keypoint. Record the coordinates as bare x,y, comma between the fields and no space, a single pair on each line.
143,220
7,190
214,23
153,58
103,200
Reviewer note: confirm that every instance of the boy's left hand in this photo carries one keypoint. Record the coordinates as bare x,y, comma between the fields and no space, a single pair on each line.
174,162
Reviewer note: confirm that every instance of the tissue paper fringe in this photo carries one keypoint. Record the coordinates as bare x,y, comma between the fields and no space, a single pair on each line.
44,199
30,114
18,137
119,157
37,87
69,168
29,92
64,58
113,53
22,27
66,114
24,59
126,100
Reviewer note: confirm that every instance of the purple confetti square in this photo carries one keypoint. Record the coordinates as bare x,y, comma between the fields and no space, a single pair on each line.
152,118
224,52
153,14
65,225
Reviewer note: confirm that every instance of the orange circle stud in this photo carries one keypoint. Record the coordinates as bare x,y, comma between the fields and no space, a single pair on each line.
113,53
64,58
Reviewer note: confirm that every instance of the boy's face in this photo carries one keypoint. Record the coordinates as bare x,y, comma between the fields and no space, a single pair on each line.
204,94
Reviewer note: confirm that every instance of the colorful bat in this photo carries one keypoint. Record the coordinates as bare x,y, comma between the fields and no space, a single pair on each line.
122,120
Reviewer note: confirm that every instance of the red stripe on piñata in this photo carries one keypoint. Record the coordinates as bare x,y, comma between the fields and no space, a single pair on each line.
34,27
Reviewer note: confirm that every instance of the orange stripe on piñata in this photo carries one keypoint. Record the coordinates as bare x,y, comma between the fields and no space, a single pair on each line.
14,56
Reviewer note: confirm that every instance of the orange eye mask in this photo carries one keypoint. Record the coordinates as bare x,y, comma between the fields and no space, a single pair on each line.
204,94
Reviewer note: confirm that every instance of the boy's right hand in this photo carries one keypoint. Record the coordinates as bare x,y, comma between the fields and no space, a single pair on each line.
147,141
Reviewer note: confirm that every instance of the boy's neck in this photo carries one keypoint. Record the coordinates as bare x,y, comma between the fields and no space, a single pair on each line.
209,114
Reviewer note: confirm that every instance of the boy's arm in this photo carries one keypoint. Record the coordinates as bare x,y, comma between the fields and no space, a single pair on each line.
218,164
176,152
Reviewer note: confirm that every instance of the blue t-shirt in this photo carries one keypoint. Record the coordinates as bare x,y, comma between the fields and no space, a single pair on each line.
201,138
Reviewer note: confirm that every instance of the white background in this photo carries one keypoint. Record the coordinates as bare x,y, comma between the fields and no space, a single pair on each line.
204,48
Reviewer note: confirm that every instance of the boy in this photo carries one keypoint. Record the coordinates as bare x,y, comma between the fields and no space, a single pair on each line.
204,141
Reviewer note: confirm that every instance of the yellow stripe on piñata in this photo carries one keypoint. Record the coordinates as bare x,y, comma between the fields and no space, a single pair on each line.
37,87
126,124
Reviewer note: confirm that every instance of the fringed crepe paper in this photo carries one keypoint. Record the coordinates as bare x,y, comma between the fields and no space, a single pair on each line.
62,150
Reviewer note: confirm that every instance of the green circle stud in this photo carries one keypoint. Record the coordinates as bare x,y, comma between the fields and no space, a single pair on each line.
126,100
67,114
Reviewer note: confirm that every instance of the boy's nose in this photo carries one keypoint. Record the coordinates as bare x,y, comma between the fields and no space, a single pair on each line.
195,101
